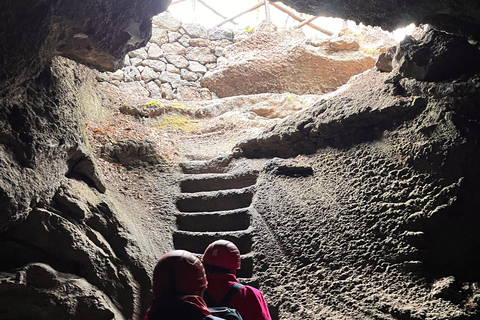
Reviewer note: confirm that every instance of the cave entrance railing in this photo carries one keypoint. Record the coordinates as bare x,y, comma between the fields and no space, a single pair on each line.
265,3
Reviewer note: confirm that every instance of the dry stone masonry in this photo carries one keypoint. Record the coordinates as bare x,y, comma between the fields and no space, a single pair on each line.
186,61
173,62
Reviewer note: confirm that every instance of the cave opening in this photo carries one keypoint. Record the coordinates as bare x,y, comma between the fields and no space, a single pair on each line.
350,189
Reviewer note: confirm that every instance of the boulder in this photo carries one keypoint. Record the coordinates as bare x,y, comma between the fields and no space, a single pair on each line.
188,75
148,74
195,66
195,30
199,42
177,60
173,78
200,54
437,56
156,65
131,73
217,33
139,53
283,62
133,88
185,40
154,90
171,68
159,36
167,91
173,36
133,153
173,48
154,51
166,21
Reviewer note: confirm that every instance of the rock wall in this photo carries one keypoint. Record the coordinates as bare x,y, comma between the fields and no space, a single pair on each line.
405,201
286,61
185,61
459,17
96,33
174,61
66,251
388,217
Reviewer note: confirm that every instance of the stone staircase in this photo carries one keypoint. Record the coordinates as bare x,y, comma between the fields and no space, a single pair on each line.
215,206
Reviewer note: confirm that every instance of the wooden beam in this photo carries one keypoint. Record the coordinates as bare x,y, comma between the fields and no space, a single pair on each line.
258,5
178,1
304,22
298,18
194,10
213,10
267,10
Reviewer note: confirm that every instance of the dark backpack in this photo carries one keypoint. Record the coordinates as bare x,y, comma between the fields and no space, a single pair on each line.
221,309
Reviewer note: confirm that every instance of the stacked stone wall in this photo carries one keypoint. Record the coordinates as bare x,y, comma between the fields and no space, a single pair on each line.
173,62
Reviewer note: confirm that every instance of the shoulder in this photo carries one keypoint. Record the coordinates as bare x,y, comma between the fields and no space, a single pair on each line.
249,289
251,293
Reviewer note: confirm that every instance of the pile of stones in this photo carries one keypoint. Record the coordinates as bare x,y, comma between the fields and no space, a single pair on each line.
171,65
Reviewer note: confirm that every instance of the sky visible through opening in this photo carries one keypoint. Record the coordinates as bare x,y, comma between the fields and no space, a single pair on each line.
229,8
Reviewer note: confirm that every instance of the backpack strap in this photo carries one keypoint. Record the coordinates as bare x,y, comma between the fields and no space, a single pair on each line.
230,294
225,300
209,300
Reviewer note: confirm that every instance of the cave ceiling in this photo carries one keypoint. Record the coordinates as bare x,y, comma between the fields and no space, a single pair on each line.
99,33
456,16
96,33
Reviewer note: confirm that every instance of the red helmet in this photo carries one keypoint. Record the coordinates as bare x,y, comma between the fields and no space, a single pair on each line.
179,272
224,254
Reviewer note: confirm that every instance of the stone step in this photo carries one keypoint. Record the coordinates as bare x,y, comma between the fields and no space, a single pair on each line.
249,281
213,182
197,242
216,165
246,267
230,220
216,201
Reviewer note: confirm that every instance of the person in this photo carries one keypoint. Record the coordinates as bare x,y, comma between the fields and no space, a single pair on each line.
179,281
222,260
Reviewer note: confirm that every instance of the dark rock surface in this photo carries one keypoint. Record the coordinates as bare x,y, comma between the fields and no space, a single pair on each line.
387,220
55,211
65,250
384,226
460,17
437,56
133,153
96,33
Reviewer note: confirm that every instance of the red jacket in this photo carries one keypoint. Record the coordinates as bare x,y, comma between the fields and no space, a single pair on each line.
248,301
189,307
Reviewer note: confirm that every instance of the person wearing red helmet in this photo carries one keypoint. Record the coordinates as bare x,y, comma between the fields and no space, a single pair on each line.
222,260
179,281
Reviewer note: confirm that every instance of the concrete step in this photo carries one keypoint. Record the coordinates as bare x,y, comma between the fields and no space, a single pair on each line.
197,242
229,220
213,182
216,201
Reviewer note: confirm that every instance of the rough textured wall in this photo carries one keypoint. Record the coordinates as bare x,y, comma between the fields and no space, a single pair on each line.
462,17
96,33
56,213
66,252
286,61
386,226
